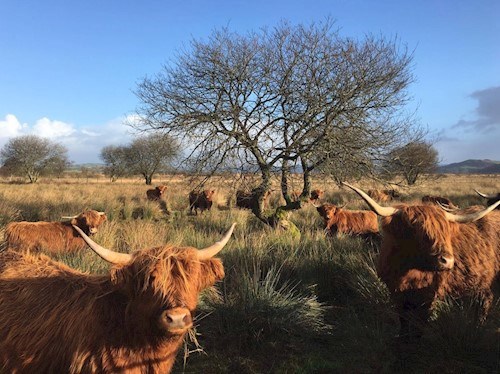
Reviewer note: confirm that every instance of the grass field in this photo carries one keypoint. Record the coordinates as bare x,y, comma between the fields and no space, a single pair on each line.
287,304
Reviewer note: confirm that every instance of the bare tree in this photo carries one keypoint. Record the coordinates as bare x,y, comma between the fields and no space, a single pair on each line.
115,160
412,162
33,156
293,96
151,154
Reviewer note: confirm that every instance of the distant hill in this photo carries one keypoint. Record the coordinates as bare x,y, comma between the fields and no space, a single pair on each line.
471,167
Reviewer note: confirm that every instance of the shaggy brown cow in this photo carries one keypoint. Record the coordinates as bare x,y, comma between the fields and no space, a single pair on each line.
53,237
200,200
156,193
438,200
428,253
316,195
383,195
247,200
54,319
353,222
492,199
313,197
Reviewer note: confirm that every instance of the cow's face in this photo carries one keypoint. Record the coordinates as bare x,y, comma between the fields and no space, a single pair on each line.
89,221
327,211
161,189
163,285
317,194
422,236
209,194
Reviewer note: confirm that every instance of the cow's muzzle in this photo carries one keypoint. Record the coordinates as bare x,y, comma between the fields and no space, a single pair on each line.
176,320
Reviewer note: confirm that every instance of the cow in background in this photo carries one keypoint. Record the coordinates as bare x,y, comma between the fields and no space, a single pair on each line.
156,193
201,200
338,220
491,199
53,237
314,196
383,195
438,200
54,319
247,200
428,253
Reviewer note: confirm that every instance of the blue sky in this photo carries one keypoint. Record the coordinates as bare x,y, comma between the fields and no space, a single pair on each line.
68,68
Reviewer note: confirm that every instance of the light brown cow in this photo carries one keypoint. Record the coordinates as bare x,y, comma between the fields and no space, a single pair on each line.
156,193
201,200
53,237
352,222
54,319
383,195
314,196
428,253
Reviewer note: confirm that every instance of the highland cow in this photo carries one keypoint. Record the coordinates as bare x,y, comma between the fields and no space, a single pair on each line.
352,222
200,200
53,237
156,193
428,253
438,200
491,199
54,319
383,195
248,200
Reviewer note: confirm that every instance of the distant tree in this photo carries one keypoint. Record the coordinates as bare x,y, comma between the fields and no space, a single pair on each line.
148,155
33,156
283,98
413,161
115,160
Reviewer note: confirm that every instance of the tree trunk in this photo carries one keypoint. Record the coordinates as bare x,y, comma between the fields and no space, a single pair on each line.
149,179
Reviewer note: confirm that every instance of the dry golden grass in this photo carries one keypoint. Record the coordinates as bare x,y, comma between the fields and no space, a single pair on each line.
270,276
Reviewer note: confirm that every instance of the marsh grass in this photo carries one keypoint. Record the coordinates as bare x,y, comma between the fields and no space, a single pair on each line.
287,304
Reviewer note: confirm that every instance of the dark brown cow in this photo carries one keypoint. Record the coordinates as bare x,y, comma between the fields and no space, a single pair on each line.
316,195
247,200
353,222
428,253
53,237
200,200
492,199
438,200
383,195
156,193
54,319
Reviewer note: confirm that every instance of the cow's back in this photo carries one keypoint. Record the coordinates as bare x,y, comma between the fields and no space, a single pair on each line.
38,236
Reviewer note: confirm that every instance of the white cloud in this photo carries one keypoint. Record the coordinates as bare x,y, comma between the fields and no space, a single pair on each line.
83,143
11,127
47,128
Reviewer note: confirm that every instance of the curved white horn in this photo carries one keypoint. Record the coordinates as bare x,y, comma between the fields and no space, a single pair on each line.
68,217
102,213
484,195
209,252
384,211
108,255
472,216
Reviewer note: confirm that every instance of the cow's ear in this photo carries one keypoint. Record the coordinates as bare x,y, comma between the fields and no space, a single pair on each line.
74,221
211,272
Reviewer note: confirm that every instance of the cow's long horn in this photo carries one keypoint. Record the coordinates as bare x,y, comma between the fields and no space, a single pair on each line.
113,257
68,217
209,252
472,216
484,195
384,211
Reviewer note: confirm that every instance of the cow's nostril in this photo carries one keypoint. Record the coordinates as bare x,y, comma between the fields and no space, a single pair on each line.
169,319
